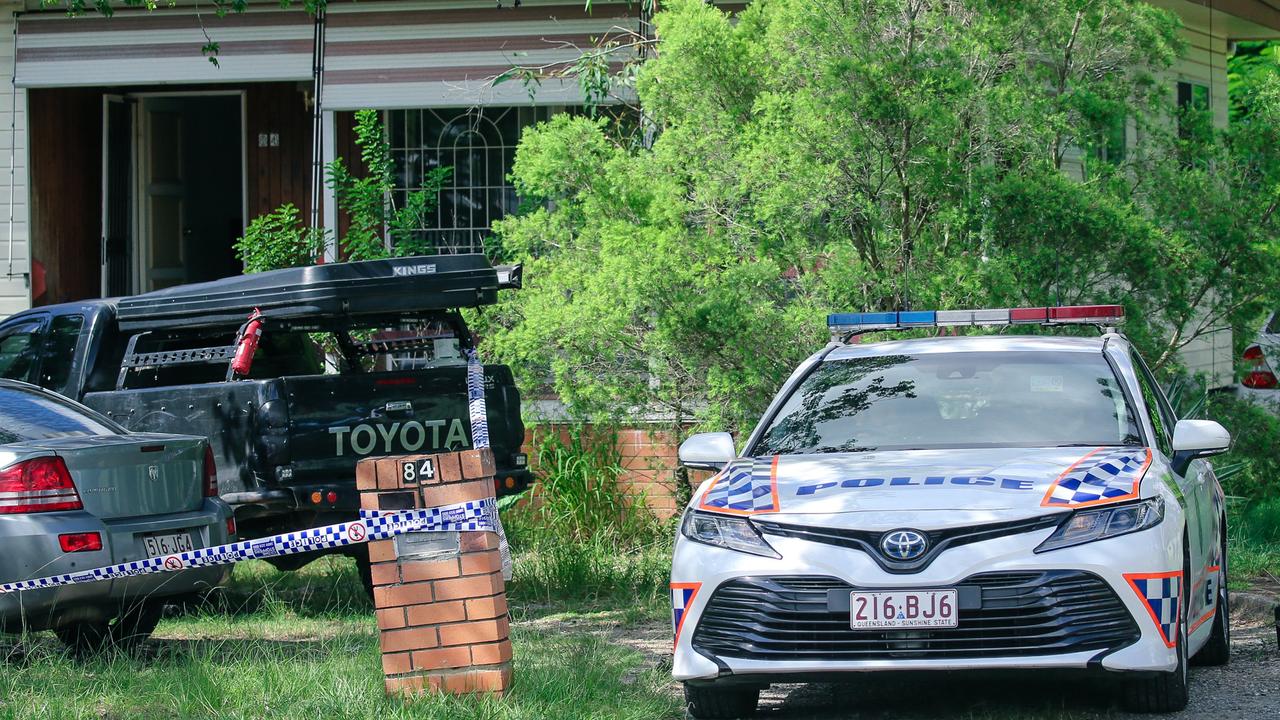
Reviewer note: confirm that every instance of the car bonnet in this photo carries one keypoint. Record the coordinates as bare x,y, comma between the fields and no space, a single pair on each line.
1025,481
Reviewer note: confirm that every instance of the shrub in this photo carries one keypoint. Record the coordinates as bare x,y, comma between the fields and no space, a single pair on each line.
279,239
578,496
1252,468
578,533
378,228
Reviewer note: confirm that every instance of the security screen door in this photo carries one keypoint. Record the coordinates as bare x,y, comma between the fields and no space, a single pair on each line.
163,195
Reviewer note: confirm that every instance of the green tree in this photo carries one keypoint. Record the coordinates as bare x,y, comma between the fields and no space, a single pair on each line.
1248,70
819,155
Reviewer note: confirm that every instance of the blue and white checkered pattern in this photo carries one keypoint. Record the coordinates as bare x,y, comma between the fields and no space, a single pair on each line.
474,515
1161,595
743,486
681,599
475,401
1102,476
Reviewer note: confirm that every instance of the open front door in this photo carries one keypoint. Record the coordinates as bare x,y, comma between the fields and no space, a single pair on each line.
118,125
164,193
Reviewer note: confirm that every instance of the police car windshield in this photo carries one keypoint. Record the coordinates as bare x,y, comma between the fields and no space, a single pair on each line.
954,400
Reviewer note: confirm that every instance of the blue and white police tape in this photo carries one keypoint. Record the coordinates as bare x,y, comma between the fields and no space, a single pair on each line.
475,401
474,515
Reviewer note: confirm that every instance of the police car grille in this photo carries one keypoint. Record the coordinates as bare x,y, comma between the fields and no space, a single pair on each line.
939,540
1020,614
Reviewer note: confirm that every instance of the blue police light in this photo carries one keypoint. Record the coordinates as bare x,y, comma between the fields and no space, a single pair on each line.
846,324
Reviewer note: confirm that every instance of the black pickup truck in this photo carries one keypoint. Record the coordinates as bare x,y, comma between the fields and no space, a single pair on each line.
351,360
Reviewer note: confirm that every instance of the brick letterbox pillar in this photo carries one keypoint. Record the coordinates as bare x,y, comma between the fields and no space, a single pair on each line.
440,596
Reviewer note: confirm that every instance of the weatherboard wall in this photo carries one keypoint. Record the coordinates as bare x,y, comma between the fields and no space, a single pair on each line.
15,262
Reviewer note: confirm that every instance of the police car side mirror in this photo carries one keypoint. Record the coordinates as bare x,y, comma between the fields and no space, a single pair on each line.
707,451
1193,439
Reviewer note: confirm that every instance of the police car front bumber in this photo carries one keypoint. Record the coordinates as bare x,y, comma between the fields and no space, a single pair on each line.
953,503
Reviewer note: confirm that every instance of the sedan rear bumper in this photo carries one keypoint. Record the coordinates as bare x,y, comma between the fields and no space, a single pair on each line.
32,551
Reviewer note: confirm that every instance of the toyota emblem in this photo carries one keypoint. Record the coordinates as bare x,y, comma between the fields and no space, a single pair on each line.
903,544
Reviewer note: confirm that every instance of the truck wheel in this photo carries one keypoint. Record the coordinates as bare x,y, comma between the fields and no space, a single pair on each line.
721,702
126,632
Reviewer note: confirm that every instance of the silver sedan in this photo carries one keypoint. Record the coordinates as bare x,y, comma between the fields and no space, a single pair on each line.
77,492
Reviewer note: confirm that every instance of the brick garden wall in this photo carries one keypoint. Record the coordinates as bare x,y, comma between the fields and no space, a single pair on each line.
649,461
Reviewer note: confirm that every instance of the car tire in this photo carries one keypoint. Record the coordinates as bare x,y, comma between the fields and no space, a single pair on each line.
126,632
1217,650
714,702
1167,691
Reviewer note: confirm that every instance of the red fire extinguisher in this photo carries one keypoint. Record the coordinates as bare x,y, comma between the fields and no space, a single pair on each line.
247,345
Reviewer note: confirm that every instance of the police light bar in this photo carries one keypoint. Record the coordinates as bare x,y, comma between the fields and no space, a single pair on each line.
855,323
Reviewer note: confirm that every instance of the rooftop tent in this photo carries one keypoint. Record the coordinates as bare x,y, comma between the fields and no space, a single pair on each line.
371,287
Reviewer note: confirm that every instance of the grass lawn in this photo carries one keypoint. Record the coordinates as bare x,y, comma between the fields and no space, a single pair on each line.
304,645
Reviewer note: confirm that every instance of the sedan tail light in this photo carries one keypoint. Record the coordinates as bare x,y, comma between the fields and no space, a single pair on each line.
39,485
80,542
1257,373
210,473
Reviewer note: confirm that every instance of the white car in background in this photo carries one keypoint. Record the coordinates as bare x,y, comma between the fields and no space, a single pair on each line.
955,503
1261,360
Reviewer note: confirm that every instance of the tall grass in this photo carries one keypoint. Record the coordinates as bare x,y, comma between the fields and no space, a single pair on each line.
305,645
580,533
1254,540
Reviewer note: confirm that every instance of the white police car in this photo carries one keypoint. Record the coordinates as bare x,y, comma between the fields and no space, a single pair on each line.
955,503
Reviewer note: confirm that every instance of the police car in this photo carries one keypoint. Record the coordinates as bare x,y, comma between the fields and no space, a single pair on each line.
951,503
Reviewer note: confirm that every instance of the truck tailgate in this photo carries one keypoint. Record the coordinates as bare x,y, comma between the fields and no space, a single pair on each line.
336,420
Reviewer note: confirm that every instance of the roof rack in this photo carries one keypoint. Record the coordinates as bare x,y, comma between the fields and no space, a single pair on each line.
845,326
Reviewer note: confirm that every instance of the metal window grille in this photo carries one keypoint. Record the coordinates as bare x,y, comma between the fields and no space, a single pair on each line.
479,144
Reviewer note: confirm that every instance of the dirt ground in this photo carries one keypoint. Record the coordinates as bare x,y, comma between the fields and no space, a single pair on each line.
1247,688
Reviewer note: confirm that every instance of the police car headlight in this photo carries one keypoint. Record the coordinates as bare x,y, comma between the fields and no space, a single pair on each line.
1085,526
726,531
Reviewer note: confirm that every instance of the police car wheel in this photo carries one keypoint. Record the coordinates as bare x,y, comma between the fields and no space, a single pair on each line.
720,702
1163,692
1217,650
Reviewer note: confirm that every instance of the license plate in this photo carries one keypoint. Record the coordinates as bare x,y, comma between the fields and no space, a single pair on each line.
903,609
157,545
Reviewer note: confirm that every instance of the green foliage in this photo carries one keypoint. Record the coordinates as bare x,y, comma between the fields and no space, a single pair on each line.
376,223
811,156
1253,460
595,570
1248,71
377,230
1254,540
279,239
578,533
578,498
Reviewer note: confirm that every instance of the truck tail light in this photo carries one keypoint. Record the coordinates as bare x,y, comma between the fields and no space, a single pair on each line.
39,485
231,526
80,542
1257,373
210,473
